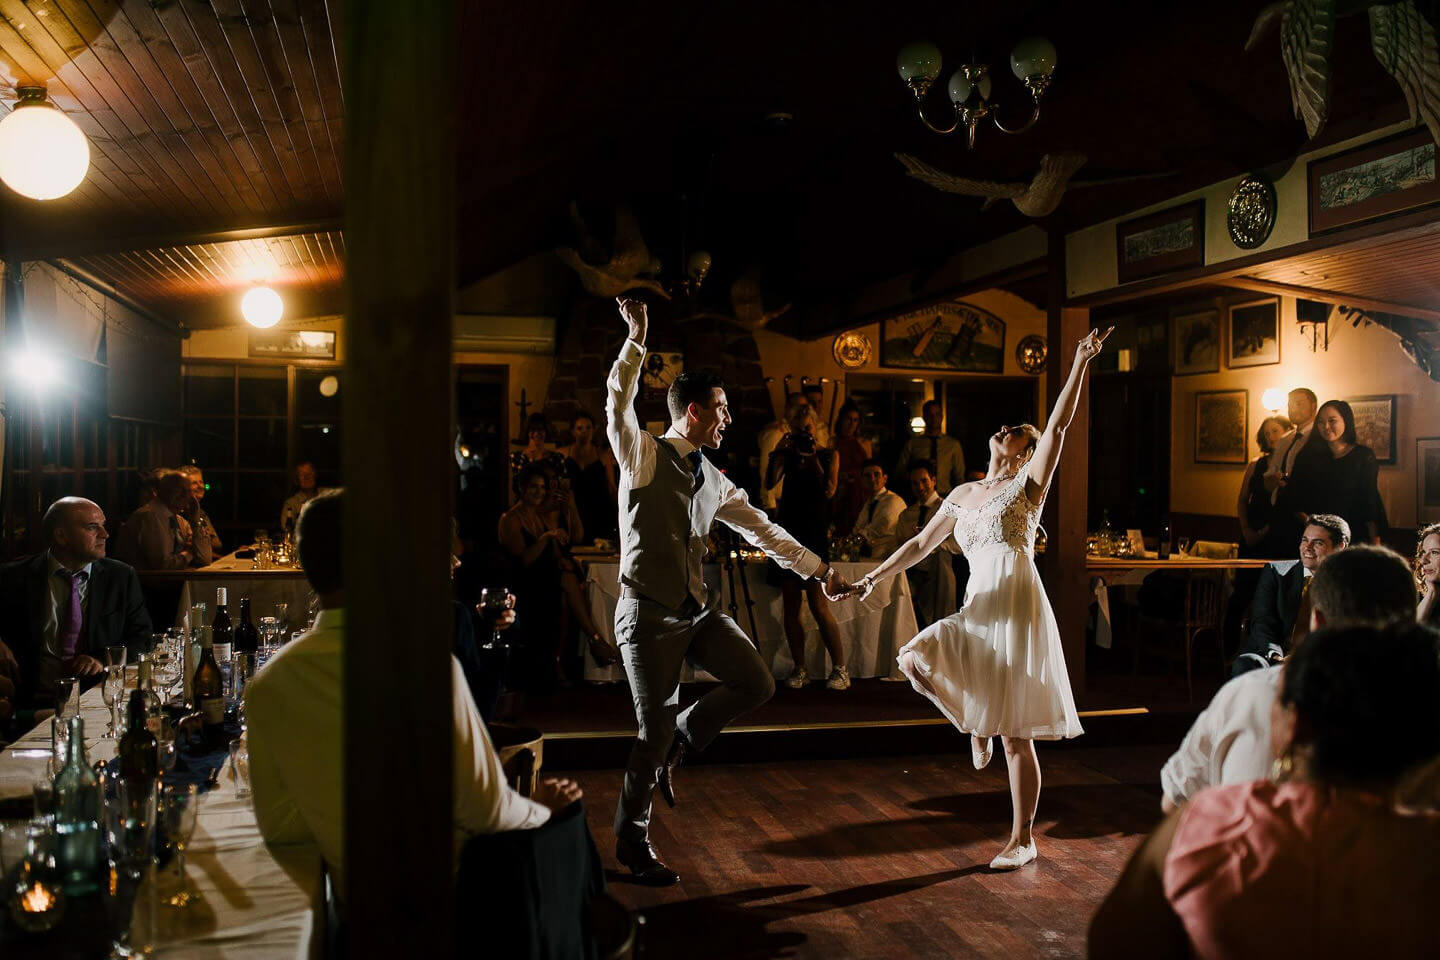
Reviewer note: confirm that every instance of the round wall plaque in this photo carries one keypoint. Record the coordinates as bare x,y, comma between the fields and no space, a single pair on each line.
852,349
1250,214
1031,353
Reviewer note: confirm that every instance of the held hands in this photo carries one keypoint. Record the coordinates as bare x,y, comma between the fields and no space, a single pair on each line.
557,794
634,314
1089,346
835,586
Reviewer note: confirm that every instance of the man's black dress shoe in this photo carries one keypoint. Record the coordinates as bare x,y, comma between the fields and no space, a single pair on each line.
675,756
641,860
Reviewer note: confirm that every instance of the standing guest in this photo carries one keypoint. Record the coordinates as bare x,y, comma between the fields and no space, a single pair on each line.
1279,616
1230,739
1341,476
206,539
853,450
932,580
1427,574
305,481
936,446
60,609
876,524
814,394
770,436
590,470
1287,464
536,450
811,473
1322,863
157,536
294,710
1253,506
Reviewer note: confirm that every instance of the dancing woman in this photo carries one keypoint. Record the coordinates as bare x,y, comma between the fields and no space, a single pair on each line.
996,666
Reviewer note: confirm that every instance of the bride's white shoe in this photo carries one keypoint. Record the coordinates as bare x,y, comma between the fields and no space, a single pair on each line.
1016,858
980,757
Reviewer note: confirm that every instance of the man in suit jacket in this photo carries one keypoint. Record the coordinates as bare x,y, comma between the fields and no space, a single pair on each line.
1281,611
59,610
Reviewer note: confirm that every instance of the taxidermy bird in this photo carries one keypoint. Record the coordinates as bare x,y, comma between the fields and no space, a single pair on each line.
1038,198
1402,37
747,303
629,261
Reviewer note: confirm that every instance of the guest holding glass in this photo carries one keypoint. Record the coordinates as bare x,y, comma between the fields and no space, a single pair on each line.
1253,506
853,450
590,472
810,473
1341,474
1427,574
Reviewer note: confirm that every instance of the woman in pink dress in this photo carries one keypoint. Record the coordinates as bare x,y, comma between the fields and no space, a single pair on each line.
853,450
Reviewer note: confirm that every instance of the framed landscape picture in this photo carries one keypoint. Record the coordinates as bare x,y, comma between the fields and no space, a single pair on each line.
1222,426
1196,336
1373,181
300,344
1375,424
946,336
1254,334
1160,242
1427,479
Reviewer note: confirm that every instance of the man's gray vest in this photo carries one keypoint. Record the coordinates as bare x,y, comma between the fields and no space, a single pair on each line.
663,526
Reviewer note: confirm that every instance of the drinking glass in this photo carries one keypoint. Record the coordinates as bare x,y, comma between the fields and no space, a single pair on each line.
112,691
59,743
240,766
493,602
165,747
1182,546
115,656
67,700
282,614
44,792
130,827
180,804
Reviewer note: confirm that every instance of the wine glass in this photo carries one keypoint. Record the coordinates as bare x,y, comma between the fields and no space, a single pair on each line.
165,747
1183,545
115,656
180,804
67,700
112,691
130,826
494,601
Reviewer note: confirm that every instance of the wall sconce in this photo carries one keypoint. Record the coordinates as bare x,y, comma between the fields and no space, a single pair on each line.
1273,399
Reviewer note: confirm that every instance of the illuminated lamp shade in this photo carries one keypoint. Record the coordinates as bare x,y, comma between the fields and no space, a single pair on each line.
961,87
918,61
262,307
917,425
43,154
1032,57
1273,399
329,386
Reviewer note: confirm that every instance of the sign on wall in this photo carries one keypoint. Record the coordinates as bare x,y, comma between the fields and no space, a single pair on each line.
945,336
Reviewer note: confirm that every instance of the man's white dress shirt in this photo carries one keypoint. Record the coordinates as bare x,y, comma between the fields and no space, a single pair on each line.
1287,450
294,715
1230,740
876,523
944,451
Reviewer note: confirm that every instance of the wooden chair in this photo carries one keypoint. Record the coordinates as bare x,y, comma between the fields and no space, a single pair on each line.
1201,610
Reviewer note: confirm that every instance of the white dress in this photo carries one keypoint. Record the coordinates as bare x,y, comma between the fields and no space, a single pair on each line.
996,666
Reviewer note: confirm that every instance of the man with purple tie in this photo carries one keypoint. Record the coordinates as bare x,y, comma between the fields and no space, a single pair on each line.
60,609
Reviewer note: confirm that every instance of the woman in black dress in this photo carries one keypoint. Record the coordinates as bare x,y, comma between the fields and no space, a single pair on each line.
537,433
811,473
1254,505
590,471
1341,474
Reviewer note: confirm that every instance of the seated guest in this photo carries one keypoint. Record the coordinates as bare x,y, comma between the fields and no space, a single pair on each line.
932,580
1230,740
59,610
307,491
1427,574
882,508
1276,619
207,541
157,536
1322,863
294,711
484,669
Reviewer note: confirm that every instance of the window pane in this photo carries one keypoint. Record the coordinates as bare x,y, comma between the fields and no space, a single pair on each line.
262,391
220,498
209,390
310,403
320,444
97,487
210,443
261,495
262,444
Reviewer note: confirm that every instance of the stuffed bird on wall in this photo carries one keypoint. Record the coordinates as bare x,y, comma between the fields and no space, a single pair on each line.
630,266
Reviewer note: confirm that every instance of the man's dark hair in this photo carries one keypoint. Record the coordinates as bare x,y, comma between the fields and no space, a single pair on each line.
928,404
1337,527
1347,416
692,387
317,540
1366,698
927,465
1364,584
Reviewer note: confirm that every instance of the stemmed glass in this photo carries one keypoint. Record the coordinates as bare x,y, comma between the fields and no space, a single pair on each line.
269,630
180,804
165,746
115,656
66,700
494,601
130,829
112,691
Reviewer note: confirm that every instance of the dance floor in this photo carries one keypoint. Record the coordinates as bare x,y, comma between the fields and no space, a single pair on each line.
871,858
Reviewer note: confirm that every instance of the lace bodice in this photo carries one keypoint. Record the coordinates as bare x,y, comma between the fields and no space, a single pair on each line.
1007,518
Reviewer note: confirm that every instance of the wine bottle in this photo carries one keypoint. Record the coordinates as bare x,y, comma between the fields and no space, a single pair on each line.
209,687
1165,540
247,638
77,817
221,633
138,750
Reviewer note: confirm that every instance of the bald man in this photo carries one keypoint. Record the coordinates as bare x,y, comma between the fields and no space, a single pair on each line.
60,609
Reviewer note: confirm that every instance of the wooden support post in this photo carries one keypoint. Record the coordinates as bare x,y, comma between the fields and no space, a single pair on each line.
400,162
1066,524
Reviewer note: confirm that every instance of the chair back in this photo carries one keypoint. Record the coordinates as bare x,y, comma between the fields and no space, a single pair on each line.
522,753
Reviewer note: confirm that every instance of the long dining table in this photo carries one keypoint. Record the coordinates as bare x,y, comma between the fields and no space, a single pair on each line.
255,901
263,587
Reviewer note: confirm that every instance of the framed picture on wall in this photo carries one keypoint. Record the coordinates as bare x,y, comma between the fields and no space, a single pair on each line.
952,336
1372,181
1375,424
300,344
1254,333
661,369
1222,426
1196,336
1427,479
1160,242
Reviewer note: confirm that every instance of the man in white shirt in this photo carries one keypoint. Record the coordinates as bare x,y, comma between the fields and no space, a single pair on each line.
932,580
157,536
294,712
1230,740
876,522
769,438
938,447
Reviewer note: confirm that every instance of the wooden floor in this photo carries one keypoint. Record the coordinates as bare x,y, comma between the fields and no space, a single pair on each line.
882,857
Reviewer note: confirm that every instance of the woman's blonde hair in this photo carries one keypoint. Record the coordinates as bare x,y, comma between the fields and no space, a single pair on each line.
1430,531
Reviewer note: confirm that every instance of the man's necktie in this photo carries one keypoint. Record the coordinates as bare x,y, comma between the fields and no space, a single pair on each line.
696,470
920,518
1290,456
935,455
870,511
1302,617
71,615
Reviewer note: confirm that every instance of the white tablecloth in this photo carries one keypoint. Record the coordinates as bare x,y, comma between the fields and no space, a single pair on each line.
872,632
257,902
264,588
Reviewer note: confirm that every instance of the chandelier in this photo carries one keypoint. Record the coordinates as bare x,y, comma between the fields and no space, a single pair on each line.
1032,61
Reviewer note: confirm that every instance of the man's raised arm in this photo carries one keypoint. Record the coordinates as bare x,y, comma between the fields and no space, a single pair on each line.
621,426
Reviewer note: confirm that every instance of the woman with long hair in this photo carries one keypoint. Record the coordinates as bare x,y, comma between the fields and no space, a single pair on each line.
1342,475
853,450
590,472
996,667
1427,574
536,450
1253,506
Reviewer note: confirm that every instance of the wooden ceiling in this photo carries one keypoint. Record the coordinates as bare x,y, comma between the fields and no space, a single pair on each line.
1403,273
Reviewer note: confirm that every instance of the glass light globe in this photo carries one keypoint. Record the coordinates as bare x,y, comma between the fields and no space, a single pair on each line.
262,307
918,59
961,87
1273,399
917,425
1033,57
329,386
43,154
698,265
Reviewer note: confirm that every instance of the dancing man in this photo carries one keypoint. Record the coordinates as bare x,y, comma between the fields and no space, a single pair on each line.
669,497
996,666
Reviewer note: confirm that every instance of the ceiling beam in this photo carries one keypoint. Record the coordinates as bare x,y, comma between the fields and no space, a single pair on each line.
1329,296
97,243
